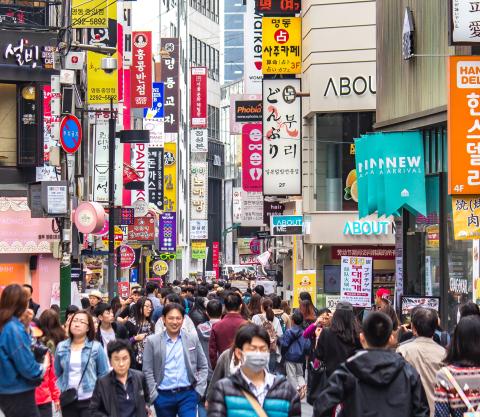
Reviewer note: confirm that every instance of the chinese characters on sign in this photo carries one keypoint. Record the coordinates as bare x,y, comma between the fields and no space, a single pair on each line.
466,217
170,70
155,176
198,97
199,140
278,7
199,190
356,286
282,45
282,146
375,252
465,20
168,232
252,157
141,80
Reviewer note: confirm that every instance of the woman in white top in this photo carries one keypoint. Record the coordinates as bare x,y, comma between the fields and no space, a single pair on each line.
79,355
273,326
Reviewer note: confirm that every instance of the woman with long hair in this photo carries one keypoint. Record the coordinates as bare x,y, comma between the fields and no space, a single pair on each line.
305,296
139,326
308,312
20,372
462,368
53,331
255,305
79,361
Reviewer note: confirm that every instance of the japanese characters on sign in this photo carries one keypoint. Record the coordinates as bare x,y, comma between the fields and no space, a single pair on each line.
278,7
170,177
199,190
282,146
29,50
252,209
170,71
356,280
464,125
198,97
282,45
141,79
465,21
168,232
157,109
155,177
142,230
101,85
466,215
252,157
199,140
92,13
198,229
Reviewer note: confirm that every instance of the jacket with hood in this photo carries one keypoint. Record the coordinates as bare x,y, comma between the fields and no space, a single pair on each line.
294,346
198,313
374,383
204,331
227,399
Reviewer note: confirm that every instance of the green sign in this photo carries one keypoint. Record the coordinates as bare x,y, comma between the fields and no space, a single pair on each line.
199,249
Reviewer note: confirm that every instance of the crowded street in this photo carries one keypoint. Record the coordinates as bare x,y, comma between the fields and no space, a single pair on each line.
239,208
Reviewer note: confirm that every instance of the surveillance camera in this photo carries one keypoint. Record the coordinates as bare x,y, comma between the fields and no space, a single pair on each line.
109,64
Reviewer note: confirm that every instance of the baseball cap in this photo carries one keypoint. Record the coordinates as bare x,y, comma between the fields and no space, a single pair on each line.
383,293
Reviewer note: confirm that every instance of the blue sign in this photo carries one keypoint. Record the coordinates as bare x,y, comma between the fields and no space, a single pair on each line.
157,110
286,225
70,134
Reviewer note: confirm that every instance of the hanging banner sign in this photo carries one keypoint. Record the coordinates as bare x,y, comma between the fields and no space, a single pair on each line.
101,85
216,258
93,13
157,135
282,45
199,140
142,230
199,249
463,125
304,281
356,281
170,177
252,41
127,33
141,77
155,177
237,205
198,97
278,7
466,217
199,190
198,229
168,232
464,22
170,71
252,157
286,225
282,143
271,209
157,109
252,209
140,164
248,111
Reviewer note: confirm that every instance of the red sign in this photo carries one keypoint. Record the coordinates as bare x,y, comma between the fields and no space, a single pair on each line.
255,246
278,7
252,160
142,230
123,289
141,78
198,96
216,258
386,253
127,257
70,133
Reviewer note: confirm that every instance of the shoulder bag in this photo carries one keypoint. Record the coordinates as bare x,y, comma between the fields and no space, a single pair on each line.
70,395
255,404
471,410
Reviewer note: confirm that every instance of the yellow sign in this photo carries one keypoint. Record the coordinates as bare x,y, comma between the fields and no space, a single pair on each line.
304,281
466,217
118,233
101,85
282,45
170,177
93,13
199,249
160,268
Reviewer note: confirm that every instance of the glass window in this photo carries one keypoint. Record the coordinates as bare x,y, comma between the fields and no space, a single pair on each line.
233,72
233,55
234,6
234,21
233,38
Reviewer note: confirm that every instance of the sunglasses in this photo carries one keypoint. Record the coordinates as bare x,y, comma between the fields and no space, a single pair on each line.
168,256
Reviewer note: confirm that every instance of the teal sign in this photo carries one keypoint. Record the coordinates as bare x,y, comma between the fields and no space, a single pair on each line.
286,225
390,173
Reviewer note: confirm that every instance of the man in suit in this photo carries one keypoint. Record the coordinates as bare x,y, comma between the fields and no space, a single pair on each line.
175,367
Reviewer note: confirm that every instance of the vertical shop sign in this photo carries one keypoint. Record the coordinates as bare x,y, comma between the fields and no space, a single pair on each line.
140,164
199,140
198,97
464,22
170,177
356,281
155,177
127,33
157,109
398,260
282,146
304,281
466,217
252,143
216,259
272,209
157,135
252,209
199,190
464,125
282,45
168,232
141,78
476,270
237,205
252,32
170,71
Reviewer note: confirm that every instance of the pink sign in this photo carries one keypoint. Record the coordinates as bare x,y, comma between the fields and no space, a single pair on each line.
252,157
127,257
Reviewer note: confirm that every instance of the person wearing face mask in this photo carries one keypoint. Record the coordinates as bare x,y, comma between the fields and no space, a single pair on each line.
252,386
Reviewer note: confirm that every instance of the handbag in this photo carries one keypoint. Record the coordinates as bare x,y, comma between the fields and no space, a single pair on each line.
471,410
255,404
70,395
316,381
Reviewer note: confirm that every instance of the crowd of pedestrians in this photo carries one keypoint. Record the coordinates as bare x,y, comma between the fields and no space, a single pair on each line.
201,349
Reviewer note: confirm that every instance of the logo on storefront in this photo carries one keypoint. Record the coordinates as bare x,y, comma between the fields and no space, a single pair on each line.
366,228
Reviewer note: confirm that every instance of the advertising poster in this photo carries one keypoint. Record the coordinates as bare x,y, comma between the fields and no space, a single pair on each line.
199,229
349,178
92,13
240,110
170,71
304,281
141,79
155,177
466,217
198,97
199,190
251,209
356,284
157,109
168,232
101,85
170,177
408,303
199,249
252,157
252,41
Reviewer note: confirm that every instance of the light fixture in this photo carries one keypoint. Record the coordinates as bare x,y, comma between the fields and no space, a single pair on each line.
28,92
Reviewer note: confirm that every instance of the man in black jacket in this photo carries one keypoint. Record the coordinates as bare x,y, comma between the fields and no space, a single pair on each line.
375,381
108,329
122,392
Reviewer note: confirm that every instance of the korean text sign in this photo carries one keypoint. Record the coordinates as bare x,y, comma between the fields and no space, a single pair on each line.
141,80
282,45
93,13
170,71
168,232
464,125
170,177
101,85
466,217
278,7
198,97
356,281
155,176
199,190
252,157
156,111
282,146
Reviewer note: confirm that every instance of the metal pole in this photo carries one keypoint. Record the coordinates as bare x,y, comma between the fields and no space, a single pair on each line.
111,202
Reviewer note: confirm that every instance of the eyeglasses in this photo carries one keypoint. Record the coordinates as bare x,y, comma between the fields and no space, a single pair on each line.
80,321
168,256
147,306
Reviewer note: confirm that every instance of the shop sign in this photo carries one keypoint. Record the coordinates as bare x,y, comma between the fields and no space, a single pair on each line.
286,225
199,140
390,173
142,230
331,302
367,228
157,135
92,13
464,125
464,22
199,249
118,237
248,259
168,232
466,217
127,257
155,177
271,209
251,209
198,98
408,303
282,45
216,258
170,177
252,39
243,246
170,72
356,281
199,190
379,253
24,16
237,205
433,236
304,281
127,33
141,77
198,229
282,143
160,268
102,86
157,109
89,217
252,157
347,86
248,111
278,7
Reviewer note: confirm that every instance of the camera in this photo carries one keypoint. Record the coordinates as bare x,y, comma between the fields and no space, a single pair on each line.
39,351
109,64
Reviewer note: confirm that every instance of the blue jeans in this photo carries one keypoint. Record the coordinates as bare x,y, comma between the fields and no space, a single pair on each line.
202,412
171,404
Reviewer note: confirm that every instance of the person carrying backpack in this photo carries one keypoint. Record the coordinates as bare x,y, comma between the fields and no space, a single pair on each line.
280,314
295,348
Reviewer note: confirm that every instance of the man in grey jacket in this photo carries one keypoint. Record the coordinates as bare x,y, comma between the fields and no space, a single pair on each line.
175,367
